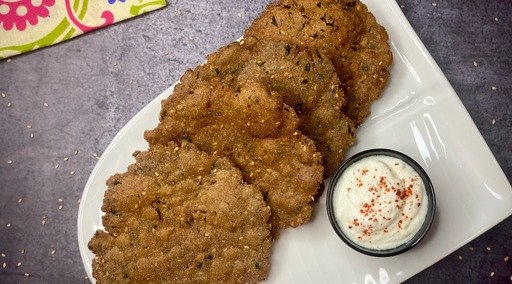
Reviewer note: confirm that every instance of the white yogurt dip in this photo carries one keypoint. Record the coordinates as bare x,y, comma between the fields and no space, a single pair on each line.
380,202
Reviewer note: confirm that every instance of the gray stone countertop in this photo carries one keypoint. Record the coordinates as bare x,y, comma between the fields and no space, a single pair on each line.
68,101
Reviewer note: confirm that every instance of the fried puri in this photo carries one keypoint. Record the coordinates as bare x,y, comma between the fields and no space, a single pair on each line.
342,29
305,79
258,132
179,215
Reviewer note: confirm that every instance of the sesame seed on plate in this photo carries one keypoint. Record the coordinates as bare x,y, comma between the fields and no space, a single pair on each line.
52,252
66,158
56,166
491,274
78,201
60,200
43,222
29,126
27,275
9,60
2,254
76,152
19,264
475,64
3,95
493,121
434,4
60,207
4,265
494,88
460,257
8,225
22,251
31,135
20,200
506,258
488,248
72,172
9,162
496,19
45,104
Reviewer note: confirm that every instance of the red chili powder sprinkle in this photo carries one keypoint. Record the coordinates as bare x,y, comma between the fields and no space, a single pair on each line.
359,182
404,194
383,183
367,209
368,231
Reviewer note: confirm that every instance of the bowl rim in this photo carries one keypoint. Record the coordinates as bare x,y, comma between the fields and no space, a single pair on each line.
429,188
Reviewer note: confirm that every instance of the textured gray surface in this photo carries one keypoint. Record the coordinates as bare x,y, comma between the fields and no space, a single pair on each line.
94,84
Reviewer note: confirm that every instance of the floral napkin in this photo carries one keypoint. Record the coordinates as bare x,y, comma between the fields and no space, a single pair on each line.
27,25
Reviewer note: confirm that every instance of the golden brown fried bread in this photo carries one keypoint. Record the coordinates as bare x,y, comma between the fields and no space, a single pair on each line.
179,215
258,132
306,81
342,29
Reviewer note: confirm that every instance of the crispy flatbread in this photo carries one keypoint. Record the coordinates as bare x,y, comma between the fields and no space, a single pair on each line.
305,79
179,215
342,29
258,132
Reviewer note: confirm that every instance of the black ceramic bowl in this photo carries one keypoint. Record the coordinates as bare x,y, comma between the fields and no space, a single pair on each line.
430,209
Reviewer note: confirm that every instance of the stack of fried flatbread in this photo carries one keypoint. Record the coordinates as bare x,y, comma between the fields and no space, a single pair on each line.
243,146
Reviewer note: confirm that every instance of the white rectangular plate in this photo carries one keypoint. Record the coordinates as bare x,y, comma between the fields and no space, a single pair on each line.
420,115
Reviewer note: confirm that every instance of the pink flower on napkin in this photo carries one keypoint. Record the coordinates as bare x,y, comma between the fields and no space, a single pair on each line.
19,12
